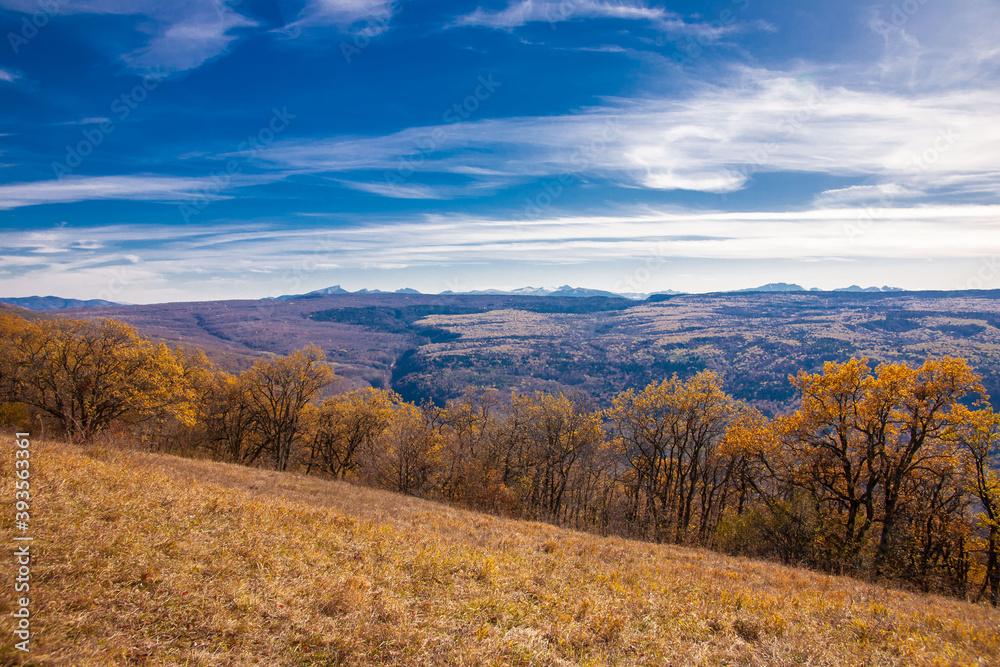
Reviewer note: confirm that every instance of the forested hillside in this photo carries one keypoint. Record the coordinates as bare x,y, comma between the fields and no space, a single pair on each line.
886,471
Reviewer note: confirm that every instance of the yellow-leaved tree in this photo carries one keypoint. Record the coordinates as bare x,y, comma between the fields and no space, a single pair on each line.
548,438
978,432
276,392
873,449
88,375
669,434
347,425
406,456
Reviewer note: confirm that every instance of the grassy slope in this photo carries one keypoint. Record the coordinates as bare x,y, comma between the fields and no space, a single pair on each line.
148,559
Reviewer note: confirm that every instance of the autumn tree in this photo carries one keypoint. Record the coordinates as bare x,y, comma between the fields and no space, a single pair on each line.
475,461
547,437
760,509
276,391
978,433
88,375
348,425
405,455
228,417
872,449
668,434
928,400
837,437
751,443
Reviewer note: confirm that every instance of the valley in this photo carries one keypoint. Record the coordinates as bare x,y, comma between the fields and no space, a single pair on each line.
431,347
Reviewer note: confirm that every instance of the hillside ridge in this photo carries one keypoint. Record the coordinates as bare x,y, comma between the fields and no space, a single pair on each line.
155,559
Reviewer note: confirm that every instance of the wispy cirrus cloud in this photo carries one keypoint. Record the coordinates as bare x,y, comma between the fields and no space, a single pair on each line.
346,15
75,189
858,194
937,46
183,34
181,257
404,190
519,13
713,141
522,12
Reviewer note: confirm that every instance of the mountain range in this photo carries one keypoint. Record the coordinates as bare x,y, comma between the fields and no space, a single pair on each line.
792,287
42,303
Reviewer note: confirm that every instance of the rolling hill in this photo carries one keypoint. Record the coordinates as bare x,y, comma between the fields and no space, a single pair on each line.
156,560
54,302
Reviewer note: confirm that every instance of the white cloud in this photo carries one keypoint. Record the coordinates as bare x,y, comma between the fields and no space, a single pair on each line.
844,233
345,15
184,34
74,189
522,12
713,141
888,192
188,41
8,75
932,244
938,45
402,190
85,244
519,13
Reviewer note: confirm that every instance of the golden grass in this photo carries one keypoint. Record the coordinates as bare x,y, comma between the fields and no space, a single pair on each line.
156,560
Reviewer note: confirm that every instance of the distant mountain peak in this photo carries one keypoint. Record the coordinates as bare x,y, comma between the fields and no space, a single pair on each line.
857,288
564,290
336,289
776,287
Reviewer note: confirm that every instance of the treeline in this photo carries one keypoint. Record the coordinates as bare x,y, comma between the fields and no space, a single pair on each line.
888,472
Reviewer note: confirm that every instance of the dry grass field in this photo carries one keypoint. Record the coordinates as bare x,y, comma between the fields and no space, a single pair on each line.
145,559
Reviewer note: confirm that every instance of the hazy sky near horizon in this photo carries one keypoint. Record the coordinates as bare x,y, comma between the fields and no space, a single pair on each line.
204,149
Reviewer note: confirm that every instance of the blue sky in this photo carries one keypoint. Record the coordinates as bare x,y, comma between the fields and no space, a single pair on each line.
199,149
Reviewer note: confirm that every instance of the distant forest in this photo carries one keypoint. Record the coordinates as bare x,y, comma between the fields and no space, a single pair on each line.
432,347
